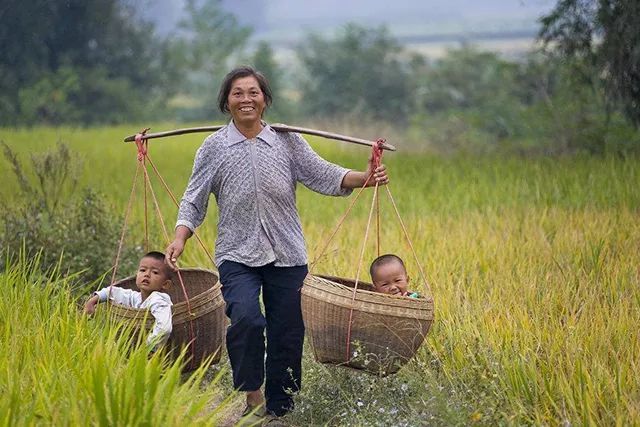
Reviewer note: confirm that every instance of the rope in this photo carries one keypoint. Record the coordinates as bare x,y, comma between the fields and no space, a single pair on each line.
175,202
406,235
166,236
141,143
377,156
355,286
124,229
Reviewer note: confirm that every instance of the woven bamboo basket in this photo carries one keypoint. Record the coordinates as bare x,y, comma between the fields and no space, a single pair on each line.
208,319
386,330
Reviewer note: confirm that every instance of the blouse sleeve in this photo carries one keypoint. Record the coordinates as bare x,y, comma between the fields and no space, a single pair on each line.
194,203
315,172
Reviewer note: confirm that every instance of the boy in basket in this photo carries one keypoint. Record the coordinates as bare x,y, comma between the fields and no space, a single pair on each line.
389,276
152,279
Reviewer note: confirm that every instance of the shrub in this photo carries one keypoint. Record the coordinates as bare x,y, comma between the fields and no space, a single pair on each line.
75,229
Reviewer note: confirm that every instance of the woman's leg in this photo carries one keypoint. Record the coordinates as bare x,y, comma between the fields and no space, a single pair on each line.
245,336
285,334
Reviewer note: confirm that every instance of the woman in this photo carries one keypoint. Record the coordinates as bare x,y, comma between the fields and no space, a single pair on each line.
252,171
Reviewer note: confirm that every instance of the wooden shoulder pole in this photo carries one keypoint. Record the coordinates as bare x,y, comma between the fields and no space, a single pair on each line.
277,127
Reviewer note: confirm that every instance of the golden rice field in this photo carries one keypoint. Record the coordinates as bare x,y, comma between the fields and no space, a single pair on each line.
534,266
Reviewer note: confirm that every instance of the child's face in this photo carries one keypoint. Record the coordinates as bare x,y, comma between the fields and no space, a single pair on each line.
152,276
391,278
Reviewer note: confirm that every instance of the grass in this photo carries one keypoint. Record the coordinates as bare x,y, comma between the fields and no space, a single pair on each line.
533,264
60,367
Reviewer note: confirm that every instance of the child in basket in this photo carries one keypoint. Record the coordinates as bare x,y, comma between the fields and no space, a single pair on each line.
153,277
389,276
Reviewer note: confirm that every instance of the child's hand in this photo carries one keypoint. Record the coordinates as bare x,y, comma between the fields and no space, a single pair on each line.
90,305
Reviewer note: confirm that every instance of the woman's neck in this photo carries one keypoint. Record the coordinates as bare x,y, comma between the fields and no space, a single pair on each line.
250,130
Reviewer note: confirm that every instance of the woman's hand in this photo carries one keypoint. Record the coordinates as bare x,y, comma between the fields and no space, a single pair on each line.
175,248
379,174
173,252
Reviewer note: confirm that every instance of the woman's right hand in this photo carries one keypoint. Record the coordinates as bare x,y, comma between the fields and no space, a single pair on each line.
173,252
175,248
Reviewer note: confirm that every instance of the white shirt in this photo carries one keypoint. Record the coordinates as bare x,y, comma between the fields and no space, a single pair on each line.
158,303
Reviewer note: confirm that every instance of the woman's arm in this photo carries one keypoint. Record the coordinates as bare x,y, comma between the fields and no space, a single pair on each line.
194,203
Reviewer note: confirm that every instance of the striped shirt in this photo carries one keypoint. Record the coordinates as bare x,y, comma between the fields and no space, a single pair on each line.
254,182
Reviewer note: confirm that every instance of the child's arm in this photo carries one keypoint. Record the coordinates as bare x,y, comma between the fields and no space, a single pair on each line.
125,297
90,305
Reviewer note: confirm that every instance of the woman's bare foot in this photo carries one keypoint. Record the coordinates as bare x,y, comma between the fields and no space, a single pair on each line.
255,398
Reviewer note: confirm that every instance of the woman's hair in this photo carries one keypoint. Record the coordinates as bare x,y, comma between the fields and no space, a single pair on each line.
236,73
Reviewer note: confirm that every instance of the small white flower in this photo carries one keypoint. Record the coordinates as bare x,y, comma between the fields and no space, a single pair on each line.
360,403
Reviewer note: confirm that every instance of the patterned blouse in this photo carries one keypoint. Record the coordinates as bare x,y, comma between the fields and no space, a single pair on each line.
254,183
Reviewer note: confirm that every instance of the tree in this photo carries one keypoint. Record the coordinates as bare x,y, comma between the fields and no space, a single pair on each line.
602,38
208,38
100,51
263,60
359,73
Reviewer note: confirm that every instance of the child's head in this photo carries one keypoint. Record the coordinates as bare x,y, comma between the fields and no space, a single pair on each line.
153,274
389,275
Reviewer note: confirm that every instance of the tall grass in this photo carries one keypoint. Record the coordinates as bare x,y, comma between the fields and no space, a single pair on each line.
61,368
533,264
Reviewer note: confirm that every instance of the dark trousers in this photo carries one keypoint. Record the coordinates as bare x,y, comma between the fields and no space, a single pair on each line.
280,287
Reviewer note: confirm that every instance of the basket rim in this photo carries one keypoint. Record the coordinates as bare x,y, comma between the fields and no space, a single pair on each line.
216,288
331,278
327,291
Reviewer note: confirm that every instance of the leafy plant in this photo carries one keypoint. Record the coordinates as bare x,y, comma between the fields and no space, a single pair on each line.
70,227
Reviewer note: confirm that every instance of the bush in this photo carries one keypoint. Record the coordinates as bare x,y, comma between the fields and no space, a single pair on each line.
75,230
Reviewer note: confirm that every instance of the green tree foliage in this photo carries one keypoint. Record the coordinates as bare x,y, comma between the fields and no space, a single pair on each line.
602,38
75,230
83,61
264,61
209,37
359,73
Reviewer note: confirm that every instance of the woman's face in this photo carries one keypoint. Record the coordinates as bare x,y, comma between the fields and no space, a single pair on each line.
246,100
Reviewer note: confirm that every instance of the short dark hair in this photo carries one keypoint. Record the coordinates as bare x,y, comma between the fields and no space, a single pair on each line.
159,256
237,73
384,259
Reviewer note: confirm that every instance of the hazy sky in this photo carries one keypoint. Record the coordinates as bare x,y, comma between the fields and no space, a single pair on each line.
275,19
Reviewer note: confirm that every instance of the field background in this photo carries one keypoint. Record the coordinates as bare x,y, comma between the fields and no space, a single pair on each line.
533,264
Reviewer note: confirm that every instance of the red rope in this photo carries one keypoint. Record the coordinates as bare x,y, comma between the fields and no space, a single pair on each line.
124,229
166,236
175,202
355,286
376,155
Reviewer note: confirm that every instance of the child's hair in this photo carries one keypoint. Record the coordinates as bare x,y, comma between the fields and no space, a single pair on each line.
384,259
158,256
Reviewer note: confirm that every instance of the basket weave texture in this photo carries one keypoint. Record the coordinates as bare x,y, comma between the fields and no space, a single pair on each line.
207,308
386,330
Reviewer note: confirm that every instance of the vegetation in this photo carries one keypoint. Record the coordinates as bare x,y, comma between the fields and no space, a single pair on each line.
533,266
602,38
74,231
62,368
576,95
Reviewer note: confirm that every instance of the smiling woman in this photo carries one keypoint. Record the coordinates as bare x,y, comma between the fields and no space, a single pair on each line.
253,171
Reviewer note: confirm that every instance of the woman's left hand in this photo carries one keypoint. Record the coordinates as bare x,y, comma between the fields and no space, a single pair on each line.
379,174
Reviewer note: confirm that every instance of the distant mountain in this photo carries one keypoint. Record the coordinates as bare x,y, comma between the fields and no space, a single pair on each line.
285,22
